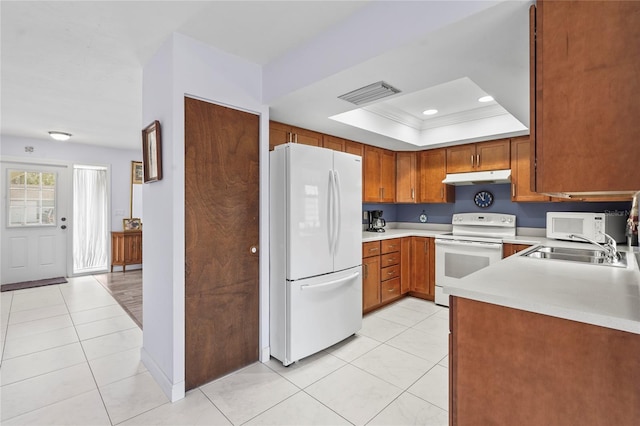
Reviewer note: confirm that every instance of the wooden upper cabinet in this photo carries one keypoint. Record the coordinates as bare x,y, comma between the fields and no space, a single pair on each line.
482,156
388,176
461,158
493,155
334,143
379,180
586,89
355,148
406,180
432,166
280,133
520,172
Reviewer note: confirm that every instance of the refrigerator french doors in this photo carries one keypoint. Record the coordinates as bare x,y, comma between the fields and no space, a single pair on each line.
315,256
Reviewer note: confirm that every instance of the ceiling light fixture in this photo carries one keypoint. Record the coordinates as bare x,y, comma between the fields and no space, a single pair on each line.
430,111
60,136
370,93
485,99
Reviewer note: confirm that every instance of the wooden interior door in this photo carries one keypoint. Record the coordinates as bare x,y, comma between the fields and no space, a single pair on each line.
221,232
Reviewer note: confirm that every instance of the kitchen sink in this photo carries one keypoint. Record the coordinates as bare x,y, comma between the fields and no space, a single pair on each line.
592,256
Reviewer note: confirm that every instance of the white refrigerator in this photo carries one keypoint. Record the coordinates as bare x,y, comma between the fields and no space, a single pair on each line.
315,249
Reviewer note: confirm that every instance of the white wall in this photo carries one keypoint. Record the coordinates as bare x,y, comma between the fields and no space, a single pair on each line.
184,67
119,161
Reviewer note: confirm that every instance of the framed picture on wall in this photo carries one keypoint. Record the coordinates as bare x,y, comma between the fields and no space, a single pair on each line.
152,153
136,172
132,224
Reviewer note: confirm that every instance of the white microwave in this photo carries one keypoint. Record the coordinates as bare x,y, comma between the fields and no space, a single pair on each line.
589,225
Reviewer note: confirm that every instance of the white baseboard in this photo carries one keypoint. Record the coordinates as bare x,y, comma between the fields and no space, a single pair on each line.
265,354
174,391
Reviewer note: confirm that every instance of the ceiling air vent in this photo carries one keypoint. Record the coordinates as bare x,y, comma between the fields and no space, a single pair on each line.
369,93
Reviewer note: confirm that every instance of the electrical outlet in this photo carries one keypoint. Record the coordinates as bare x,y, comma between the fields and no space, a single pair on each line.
365,215
119,212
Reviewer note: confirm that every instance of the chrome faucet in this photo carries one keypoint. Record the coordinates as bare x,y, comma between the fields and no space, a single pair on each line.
609,246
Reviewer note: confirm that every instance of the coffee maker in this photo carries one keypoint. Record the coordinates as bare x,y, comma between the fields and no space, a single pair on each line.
376,222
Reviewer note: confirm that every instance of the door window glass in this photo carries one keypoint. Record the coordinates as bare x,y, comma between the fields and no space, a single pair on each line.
32,198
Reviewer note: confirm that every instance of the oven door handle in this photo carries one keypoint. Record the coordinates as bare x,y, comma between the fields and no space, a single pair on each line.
461,243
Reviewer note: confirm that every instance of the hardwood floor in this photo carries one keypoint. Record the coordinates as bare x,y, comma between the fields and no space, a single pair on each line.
126,288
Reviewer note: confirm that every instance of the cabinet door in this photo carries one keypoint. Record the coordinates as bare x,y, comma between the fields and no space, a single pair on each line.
461,158
509,249
370,282
587,90
406,191
331,142
405,265
355,148
371,180
432,170
493,155
307,137
117,248
521,172
388,176
279,134
134,248
420,265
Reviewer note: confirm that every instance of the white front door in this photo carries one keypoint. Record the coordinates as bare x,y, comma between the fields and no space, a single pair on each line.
34,221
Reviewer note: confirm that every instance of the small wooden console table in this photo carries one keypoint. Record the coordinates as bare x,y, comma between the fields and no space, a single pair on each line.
126,248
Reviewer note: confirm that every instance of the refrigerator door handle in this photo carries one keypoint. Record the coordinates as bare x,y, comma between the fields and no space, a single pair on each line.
337,209
330,213
329,283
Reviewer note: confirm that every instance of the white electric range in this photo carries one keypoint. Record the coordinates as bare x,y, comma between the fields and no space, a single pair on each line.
474,243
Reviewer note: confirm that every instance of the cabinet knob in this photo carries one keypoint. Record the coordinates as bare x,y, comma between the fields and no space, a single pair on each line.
63,227
253,249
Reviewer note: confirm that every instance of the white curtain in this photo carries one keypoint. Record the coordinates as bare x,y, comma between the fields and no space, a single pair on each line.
90,216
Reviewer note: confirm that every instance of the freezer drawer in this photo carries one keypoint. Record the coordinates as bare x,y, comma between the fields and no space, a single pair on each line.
322,311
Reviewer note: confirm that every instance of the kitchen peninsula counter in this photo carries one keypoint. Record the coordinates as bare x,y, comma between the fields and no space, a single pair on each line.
600,295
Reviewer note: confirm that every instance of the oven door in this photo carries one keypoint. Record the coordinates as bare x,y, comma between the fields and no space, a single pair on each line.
455,259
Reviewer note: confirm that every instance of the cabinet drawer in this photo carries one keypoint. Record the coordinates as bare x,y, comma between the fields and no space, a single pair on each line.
390,259
371,248
388,246
389,272
390,289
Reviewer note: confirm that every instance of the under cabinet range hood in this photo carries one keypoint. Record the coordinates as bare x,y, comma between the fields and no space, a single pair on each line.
472,178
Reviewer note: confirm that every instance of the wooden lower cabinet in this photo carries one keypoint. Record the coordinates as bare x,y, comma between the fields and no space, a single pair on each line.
423,267
370,283
126,249
382,273
405,265
513,367
509,249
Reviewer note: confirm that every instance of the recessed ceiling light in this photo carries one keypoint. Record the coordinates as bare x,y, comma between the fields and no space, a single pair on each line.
60,136
430,111
485,99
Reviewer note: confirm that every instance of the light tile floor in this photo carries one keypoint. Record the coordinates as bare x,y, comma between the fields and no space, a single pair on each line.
71,356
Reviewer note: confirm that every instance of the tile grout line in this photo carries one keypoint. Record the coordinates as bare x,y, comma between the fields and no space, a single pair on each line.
4,339
199,388
88,364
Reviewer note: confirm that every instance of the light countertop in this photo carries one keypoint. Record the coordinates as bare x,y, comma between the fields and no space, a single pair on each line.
593,294
399,233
